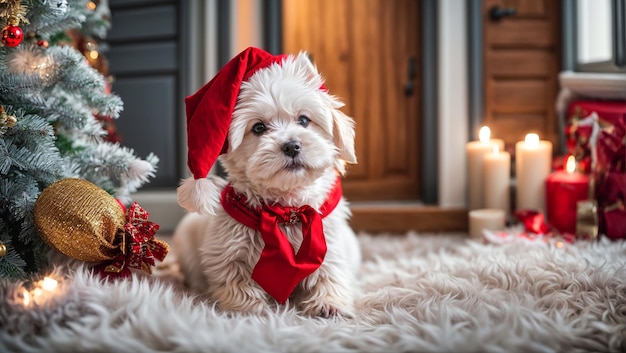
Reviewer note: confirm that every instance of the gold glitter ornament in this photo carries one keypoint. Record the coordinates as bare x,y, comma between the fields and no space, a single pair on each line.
80,220
3,249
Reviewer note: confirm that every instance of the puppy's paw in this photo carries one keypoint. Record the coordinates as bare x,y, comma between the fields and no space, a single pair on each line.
327,310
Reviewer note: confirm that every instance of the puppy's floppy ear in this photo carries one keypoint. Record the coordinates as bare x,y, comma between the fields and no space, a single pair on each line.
343,125
343,135
306,68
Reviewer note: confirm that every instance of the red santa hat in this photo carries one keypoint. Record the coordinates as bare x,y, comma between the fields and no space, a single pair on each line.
209,113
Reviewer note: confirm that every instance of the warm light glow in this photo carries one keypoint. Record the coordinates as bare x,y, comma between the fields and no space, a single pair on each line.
559,244
93,54
570,165
49,284
26,297
496,150
43,290
484,134
91,5
532,140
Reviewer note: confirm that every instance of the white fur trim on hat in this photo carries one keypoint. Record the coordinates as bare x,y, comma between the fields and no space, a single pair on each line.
200,195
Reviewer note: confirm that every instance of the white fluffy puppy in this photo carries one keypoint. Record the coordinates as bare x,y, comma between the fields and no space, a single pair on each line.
287,144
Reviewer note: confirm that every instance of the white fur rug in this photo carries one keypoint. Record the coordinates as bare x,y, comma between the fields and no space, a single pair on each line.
438,293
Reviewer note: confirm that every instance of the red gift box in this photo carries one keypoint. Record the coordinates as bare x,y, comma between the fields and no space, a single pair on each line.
609,172
579,125
612,192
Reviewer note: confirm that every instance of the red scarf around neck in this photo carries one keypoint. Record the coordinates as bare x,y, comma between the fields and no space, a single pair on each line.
279,269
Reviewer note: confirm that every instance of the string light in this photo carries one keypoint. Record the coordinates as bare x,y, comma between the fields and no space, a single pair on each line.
49,284
42,290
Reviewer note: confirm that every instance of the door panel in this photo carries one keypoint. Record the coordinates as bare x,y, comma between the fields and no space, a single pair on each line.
519,96
519,63
363,49
522,62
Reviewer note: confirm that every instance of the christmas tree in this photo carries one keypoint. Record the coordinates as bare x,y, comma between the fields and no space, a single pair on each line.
50,97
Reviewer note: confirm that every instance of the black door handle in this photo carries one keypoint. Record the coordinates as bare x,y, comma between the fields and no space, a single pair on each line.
409,87
496,13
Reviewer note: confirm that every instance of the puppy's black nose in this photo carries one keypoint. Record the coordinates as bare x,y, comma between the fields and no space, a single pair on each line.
292,148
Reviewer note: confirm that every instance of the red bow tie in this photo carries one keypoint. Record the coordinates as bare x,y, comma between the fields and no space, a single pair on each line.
279,269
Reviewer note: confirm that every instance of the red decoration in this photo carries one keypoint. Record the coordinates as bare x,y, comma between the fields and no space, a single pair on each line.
563,191
12,36
279,270
140,249
42,43
535,227
533,221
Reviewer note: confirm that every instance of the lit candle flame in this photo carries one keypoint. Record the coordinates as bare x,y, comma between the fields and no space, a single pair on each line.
570,165
484,134
532,140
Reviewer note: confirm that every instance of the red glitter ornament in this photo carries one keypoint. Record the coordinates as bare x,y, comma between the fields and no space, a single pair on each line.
12,35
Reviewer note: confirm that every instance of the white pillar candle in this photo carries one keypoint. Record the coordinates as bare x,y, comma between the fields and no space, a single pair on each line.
485,219
533,163
497,180
476,151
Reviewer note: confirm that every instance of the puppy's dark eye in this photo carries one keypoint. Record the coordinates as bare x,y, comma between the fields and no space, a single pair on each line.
258,129
304,120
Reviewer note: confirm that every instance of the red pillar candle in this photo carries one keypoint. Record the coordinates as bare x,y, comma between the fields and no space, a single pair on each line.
564,188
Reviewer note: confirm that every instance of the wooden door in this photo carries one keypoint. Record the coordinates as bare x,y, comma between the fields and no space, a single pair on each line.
365,50
522,62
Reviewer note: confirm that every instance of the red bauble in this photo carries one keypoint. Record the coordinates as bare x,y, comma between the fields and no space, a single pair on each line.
12,36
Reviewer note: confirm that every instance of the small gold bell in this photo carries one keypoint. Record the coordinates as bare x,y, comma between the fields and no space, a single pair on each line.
10,121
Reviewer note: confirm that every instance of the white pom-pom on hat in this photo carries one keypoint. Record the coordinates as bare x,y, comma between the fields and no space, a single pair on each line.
200,195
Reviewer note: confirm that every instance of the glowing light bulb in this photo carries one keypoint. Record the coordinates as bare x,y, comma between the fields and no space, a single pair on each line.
49,284
532,140
93,54
484,134
26,296
42,291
